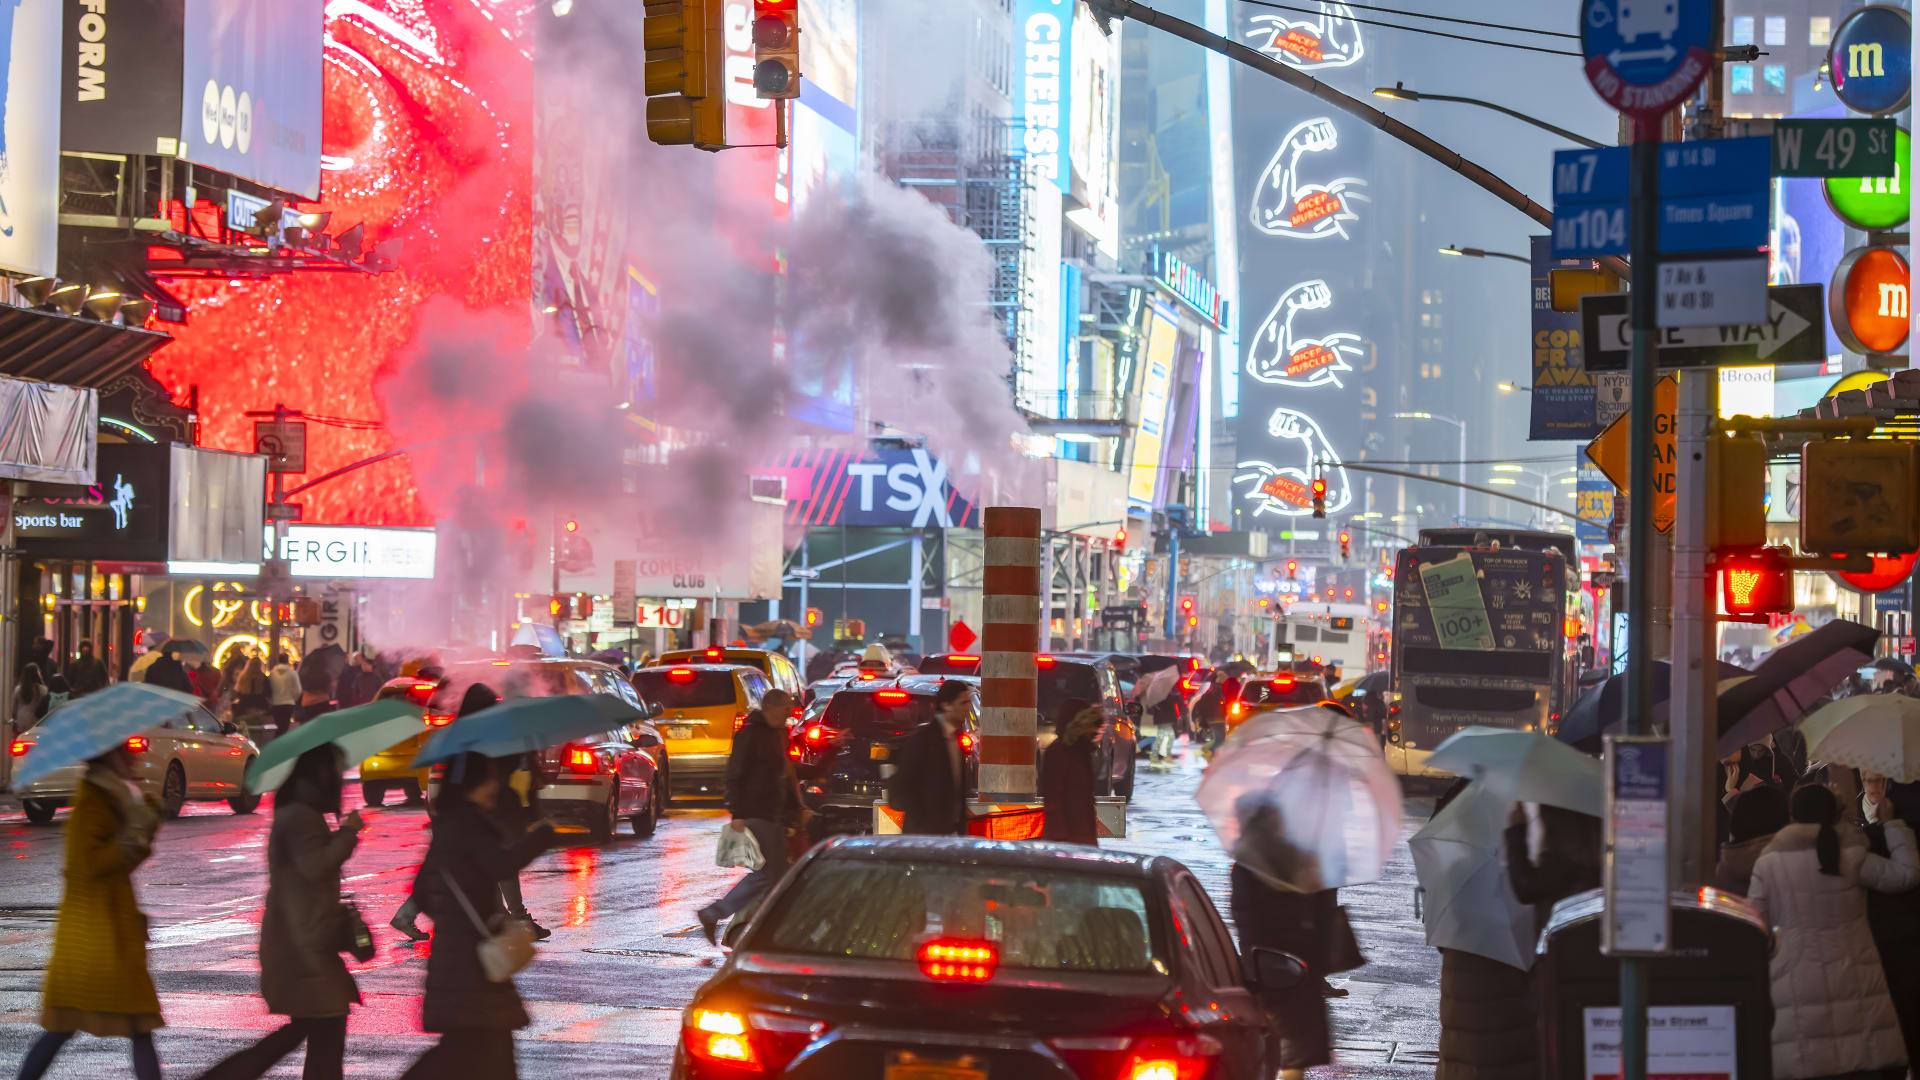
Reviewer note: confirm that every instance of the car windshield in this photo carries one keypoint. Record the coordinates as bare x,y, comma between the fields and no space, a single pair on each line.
879,714
685,688
1047,919
1063,681
1283,691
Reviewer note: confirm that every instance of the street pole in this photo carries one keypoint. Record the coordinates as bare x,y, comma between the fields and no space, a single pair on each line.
1643,191
1460,510
276,590
1173,579
553,609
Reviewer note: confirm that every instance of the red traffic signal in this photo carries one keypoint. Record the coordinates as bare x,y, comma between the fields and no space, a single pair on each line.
776,48
1120,539
1319,497
1346,543
1186,604
1755,584
1293,568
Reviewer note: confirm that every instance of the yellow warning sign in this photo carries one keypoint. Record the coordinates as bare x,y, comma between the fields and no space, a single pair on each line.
1609,452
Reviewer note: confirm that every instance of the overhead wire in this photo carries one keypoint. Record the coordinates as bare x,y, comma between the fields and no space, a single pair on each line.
1453,19
1423,30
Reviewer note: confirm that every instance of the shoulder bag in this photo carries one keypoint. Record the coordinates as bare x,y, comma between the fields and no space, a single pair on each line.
503,953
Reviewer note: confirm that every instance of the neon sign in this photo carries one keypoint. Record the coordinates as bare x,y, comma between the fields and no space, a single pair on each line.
1329,39
1284,206
1190,286
1281,484
1280,356
1045,60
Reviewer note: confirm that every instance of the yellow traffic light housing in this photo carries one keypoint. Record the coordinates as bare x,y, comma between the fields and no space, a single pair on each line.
1737,469
1857,497
685,73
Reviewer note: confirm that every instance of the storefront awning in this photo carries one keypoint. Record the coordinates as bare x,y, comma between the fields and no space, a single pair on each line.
58,348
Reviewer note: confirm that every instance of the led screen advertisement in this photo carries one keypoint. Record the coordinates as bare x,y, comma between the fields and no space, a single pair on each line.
1091,139
121,75
1310,309
29,136
250,94
1162,336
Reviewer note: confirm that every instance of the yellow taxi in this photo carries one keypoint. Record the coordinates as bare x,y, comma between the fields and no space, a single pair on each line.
779,670
701,706
388,770
1272,690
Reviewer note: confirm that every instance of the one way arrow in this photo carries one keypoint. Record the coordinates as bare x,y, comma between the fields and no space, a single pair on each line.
1618,56
1783,325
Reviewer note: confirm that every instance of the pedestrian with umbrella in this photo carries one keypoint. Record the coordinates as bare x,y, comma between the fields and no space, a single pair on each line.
97,979
305,925
1791,682
1757,814
458,887
1270,914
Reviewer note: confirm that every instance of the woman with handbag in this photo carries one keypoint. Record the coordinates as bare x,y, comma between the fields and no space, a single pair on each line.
305,927
97,979
471,1002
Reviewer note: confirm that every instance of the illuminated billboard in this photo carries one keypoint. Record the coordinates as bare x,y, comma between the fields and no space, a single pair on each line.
250,102
1278,481
30,137
1043,50
1162,336
1290,202
1090,146
1282,355
1309,38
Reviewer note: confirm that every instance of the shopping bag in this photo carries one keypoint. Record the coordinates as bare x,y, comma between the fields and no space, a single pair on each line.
738,847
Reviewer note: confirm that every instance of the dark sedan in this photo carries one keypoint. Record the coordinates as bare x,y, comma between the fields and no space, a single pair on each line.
916,958
845,756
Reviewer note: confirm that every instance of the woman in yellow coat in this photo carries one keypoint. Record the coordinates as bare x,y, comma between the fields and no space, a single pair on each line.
97,980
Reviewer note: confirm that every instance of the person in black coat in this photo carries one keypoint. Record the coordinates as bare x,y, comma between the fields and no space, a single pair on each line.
474,1017
87,674
1894,918
168,672
1295,923
1568,863
1066,775
1487,1017
762,795
929,784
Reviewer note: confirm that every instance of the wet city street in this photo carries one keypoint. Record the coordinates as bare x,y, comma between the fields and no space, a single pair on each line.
605,992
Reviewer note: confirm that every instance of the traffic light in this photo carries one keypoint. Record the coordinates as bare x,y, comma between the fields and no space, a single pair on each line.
1193,621
1293,569
1186,605
570,606
1346,545
1857,496
776,48
1319,497
813,616
1755,584
1120,539
685,73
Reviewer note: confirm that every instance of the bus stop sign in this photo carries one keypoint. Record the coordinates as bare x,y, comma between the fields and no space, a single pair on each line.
1644,57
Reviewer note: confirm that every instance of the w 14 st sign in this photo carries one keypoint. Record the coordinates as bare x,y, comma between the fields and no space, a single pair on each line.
1713,197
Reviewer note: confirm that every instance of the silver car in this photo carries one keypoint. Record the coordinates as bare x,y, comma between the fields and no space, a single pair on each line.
195,757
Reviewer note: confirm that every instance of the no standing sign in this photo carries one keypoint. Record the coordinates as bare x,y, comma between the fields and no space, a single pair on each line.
1644,57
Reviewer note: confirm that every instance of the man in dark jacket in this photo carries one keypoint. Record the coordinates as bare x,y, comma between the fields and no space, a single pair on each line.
929,785
86,674
1066,776
169,672
760,790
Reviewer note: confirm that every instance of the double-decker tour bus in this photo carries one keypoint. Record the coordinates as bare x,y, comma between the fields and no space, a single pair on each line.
1485,629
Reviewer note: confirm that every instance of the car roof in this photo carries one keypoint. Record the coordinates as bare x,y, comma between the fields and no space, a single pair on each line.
1035,854
927,689
702,667
936,678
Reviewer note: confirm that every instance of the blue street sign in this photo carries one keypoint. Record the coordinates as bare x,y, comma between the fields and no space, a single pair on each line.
1713,222
1871,60
1716,167
1590,176
1713,197
1645,56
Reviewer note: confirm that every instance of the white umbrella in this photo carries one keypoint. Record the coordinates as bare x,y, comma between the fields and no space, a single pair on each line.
1303,798
1524,766
1875,732
1469,905
1152,689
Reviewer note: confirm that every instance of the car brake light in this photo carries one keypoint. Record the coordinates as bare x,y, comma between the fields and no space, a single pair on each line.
501,663
739,721
892,697
719,1036
19,748
419,692
439,719
966,742
816,733
793,750
582,760
1185,1057
1186,684
1234,709
958,959
137,743
868,675
680,674
1193,663
961,658
1043,661
1284,682
714,654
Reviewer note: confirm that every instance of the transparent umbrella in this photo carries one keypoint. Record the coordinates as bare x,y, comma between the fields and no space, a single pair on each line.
1876,732
1524,766
1303,798
1469,905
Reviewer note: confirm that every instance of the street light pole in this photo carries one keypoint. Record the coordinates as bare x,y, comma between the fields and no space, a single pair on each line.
1399,92
1461,509
1482,253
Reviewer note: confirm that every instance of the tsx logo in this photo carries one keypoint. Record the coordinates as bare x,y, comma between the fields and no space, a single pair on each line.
1283,205
1329,39
1279,355
919,486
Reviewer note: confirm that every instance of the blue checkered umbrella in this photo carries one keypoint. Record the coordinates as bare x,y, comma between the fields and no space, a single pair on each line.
89,726
523,725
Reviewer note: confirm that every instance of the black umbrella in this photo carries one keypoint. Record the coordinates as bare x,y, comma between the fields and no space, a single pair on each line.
1791,680
1603,709
1894,664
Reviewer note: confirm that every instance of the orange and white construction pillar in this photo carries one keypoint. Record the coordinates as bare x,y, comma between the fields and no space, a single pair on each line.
1009,641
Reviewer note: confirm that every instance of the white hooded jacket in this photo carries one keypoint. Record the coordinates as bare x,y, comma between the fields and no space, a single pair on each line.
1832,1014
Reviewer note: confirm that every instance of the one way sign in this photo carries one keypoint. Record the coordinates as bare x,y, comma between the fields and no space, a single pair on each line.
1791,334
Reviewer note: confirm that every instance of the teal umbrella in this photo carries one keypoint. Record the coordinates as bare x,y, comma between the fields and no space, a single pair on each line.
1524,766
524,725
358,732
90,725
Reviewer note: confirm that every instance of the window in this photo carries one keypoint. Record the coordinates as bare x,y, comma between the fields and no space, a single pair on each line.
1775,78
1776,30
1820,30
1742,30
1217,958
1740,79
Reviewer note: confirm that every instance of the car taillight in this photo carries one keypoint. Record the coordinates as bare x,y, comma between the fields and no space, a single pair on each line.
819,733
20,747
966,742
680,675
1284,682
1044,661
582,760
891,697
1182,1057
793,750
961,658
719,1036
714,654
739,721
137,743
419,692
958,959
439,719
1234,709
